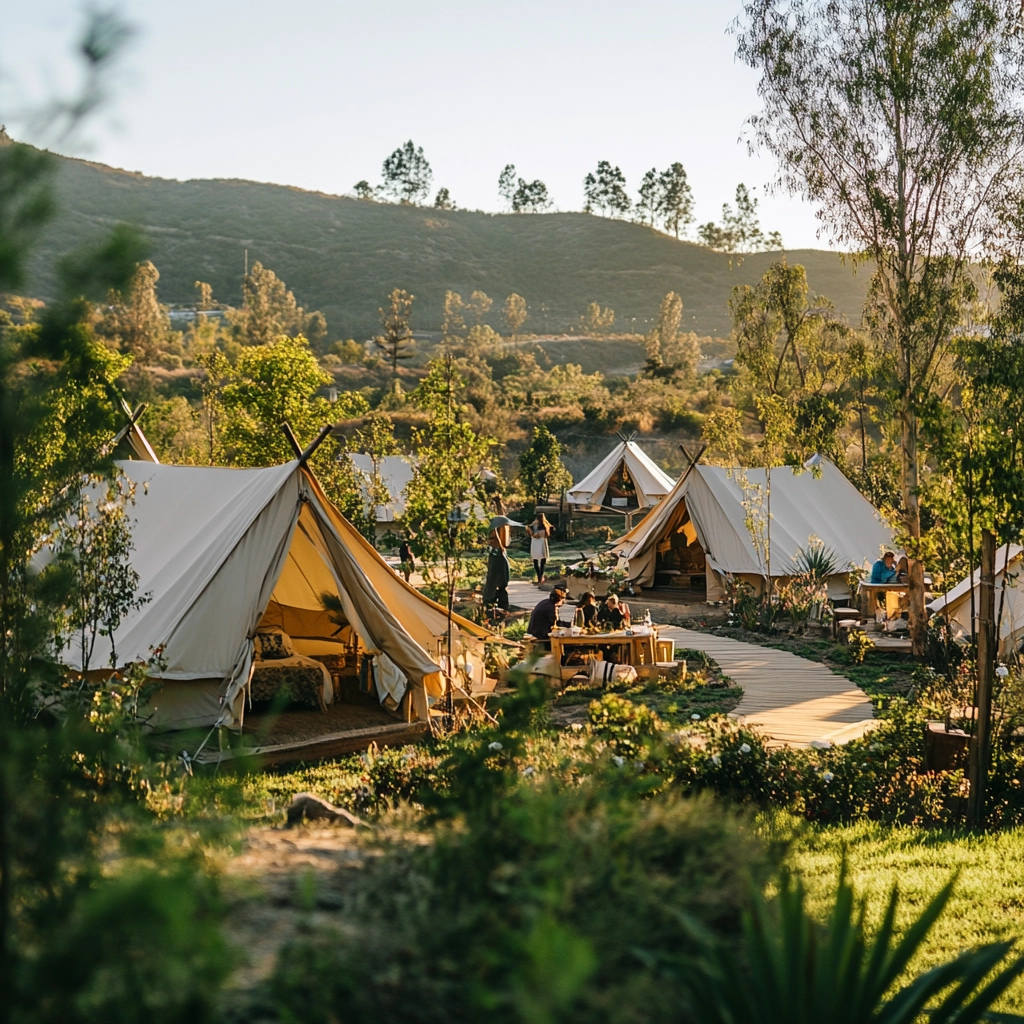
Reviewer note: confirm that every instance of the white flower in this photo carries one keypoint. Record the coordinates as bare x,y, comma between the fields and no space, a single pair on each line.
494,746
529,770
695,717
745,748
576,726
716,760
827,776
1002,671
619,761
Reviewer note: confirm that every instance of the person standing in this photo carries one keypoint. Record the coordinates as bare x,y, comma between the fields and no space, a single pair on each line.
406,559
499,572
540,531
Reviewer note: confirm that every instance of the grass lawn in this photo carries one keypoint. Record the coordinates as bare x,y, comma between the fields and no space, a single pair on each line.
987,905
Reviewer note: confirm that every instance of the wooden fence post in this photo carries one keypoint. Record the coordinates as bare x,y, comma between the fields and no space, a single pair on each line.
981,743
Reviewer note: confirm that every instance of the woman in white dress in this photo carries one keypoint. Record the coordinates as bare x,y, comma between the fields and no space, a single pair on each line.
540,530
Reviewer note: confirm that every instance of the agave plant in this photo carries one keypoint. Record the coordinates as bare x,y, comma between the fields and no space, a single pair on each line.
816,562
797,971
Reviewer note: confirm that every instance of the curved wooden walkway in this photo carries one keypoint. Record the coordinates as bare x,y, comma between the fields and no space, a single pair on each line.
790,700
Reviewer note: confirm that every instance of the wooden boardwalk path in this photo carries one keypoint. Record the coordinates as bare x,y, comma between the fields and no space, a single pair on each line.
790,700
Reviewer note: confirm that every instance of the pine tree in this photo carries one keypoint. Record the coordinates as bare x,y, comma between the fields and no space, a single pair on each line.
396,341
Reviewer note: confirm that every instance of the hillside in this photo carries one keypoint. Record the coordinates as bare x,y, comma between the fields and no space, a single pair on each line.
343,255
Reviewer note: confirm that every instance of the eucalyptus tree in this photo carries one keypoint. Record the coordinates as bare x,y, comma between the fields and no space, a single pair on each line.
675,199
901,121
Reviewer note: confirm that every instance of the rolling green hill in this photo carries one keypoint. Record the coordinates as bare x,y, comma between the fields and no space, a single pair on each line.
343,255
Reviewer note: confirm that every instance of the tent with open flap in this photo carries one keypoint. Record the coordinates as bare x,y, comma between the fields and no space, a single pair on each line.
700,529
224,555
626,478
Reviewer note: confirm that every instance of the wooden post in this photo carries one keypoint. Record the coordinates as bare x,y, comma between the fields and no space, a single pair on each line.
982,741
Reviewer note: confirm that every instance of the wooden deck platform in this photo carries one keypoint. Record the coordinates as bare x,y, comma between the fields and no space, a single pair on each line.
300,735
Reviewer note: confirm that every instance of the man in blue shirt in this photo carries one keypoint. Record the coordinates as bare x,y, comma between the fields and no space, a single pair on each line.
884,570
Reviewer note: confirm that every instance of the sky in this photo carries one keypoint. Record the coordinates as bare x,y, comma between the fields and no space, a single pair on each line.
316,93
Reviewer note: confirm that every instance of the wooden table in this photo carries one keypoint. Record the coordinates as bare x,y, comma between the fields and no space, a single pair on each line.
882,599
633,650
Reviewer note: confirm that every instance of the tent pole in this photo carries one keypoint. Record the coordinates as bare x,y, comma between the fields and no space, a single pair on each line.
303,455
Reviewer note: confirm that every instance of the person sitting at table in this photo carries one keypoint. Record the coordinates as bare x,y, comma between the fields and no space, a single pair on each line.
586,610
611,614
884,570
545,617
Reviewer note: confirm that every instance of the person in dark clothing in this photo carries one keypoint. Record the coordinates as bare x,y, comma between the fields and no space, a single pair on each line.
611,614
405,557
587,610
545,617
498,569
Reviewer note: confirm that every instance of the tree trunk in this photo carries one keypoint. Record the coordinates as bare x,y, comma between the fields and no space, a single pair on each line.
912,520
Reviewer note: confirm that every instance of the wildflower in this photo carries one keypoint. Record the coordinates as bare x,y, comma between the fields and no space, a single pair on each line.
1002,671
745,748
827,776
529,770
619,761
695,717
494,746
577,726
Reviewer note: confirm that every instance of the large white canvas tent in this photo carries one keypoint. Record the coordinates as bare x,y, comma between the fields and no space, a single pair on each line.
956,604
395,473
700,528
223,552
626,478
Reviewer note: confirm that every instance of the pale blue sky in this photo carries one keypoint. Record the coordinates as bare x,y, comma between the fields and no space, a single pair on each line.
315,93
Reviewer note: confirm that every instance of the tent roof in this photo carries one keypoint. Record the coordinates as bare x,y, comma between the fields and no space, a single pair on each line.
1006,555
213,547
652,483
804,504
395,472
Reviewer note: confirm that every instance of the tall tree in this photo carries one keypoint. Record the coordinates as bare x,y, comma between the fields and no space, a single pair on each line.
648,201
674,199
740,229
901,121
530,197
270,310
541,468
134,319
507,184
605,190
443,200
407,174
396,341
514,313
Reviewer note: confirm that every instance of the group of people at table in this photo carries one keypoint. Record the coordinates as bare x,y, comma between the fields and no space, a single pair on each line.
611,613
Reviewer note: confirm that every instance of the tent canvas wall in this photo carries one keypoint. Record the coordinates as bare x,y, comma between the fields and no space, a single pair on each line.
630,462
220,551
395,474
701,525
956,604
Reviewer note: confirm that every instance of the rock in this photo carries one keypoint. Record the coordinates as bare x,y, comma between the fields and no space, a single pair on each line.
309,807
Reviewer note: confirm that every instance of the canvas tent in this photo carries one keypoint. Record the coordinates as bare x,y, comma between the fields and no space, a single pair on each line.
700,528
956,604
626,478
220,552
395,474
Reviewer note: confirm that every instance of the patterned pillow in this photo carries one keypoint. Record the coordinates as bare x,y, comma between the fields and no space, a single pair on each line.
272,644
